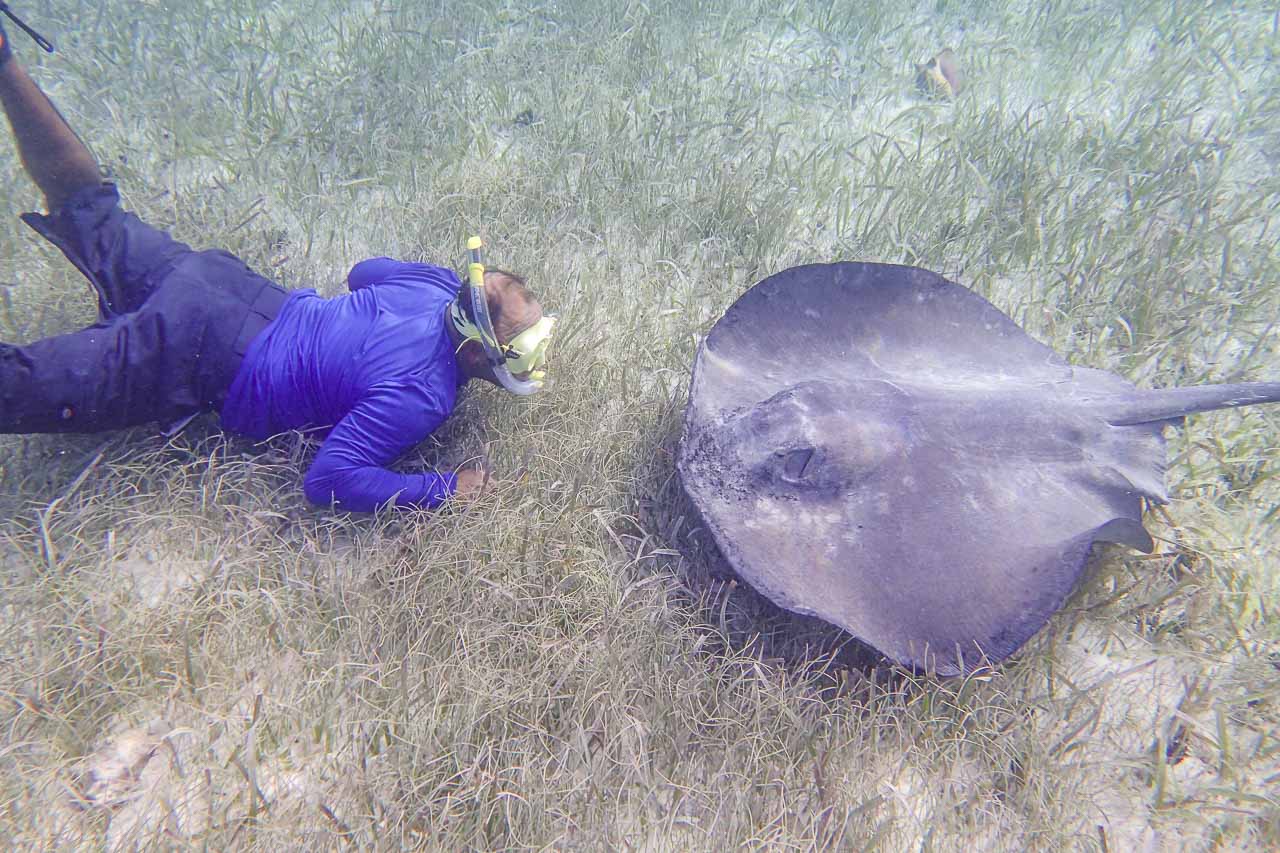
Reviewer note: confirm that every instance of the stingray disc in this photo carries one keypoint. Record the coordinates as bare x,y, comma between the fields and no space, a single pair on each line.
884,449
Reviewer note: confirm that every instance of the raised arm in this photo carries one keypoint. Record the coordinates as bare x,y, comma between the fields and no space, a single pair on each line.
350,469
50,151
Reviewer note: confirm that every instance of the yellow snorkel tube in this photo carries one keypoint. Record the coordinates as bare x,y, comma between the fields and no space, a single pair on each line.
529,360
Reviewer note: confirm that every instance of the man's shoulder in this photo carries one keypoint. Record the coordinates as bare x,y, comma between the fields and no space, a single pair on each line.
390,271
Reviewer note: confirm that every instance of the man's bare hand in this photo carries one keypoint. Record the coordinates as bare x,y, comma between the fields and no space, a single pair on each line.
470,482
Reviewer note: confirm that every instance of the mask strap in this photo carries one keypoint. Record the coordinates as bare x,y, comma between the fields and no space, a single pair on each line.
495,354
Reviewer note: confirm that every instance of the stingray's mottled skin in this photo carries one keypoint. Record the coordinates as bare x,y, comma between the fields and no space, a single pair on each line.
884,449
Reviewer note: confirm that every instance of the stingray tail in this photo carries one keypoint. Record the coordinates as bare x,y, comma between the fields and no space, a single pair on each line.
1171,404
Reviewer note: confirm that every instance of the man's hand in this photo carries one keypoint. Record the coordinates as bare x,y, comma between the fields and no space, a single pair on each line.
471,481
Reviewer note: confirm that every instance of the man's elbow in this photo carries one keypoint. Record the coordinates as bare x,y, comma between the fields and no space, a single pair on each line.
319,490
338,491
328,490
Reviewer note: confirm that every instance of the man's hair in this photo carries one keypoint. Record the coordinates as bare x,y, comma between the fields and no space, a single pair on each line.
508,299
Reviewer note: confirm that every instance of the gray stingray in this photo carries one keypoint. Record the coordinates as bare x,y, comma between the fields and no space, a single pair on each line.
884,449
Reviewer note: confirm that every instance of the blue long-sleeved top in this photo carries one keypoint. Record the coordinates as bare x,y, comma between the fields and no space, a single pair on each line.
375,366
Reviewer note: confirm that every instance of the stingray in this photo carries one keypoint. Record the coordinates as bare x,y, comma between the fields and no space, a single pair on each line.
884,449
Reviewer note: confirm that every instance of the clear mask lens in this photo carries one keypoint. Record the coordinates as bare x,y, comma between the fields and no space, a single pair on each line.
527,352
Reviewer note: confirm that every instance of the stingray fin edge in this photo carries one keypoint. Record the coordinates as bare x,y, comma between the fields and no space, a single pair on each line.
1125,531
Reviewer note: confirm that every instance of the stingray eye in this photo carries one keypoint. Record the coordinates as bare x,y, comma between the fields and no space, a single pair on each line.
803,470
794,464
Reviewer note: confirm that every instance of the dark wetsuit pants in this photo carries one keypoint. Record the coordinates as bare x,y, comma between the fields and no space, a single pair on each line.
173,326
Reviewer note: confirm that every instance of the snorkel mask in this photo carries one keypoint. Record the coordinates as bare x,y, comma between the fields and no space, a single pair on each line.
527,351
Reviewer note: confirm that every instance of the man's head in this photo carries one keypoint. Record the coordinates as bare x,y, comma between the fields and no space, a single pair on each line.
513,309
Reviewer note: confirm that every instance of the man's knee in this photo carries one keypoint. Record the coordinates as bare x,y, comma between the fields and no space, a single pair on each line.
33,401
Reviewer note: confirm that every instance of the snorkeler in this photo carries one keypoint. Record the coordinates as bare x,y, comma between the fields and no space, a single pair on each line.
181,332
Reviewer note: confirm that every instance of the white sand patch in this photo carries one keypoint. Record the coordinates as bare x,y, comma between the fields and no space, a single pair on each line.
152,571
194,771
1125,697
138,777
912,797
110,777
130,789
153,781
1134,686
155,577
916,797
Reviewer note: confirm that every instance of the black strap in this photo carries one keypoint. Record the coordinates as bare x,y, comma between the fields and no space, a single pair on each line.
264,309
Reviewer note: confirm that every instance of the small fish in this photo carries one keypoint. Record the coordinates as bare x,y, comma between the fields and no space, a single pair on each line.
940,76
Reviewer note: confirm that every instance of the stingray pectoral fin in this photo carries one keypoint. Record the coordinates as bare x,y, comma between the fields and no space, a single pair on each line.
1170,404
1126,531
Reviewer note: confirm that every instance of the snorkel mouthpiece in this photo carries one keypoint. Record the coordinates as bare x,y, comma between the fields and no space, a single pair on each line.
489,338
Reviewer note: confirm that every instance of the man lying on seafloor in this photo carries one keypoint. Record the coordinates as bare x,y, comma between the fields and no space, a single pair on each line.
182,332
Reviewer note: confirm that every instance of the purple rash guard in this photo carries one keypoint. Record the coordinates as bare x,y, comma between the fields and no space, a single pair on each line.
375,366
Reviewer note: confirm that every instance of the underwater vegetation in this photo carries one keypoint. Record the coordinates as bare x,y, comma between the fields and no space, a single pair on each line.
190,655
